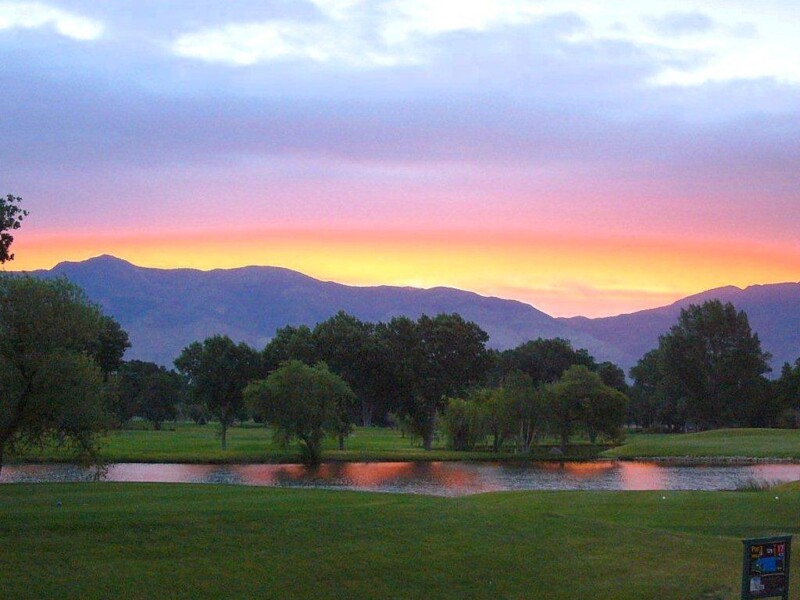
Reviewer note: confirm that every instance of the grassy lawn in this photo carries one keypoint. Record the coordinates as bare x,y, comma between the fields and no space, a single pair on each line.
186,541
190,443
760,443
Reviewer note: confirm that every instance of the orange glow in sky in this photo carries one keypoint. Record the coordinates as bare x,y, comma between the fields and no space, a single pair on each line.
561,275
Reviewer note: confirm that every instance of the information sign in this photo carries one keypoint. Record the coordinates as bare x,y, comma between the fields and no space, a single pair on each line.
765,568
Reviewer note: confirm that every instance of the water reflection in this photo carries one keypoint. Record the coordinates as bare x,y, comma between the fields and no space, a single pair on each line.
433,478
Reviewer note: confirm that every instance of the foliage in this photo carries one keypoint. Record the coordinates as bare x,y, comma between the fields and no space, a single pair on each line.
111,346
527,403
11,216
464,423
500,415
435,358
708,369
304,403
613,376
580,398
50,385
289,343
544,360
787,387
218,370
149,391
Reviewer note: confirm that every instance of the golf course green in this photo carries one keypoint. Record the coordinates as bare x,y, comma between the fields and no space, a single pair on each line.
185,541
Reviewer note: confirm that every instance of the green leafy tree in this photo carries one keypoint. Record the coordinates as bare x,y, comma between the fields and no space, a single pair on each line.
218,370
352,349
529,407
656,397
464,423
148,390
544,360
159,396
787,394
50,385
499,414
613,376
11,216
290,343
301,402
435,358
111,346
715,362
581,399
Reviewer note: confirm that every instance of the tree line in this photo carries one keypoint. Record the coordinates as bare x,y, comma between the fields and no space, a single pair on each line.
63,380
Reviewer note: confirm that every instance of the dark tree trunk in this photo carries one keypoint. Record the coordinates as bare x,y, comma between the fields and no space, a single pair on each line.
366,413
224,435
341,441
427,437
564,441
157,425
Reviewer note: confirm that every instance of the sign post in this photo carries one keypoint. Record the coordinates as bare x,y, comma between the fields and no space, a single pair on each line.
765,567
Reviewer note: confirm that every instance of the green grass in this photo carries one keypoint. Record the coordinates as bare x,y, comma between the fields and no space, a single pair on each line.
189,443
186,541
755,443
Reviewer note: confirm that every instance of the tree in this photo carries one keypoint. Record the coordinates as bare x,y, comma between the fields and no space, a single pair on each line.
499,413
529,407
352,350
159,396
11,216
580,398
218,370
544,360
435,358
289,343
613,376
464,423
716,363
111,346
301,402
50,385
656,397
787,393
148,390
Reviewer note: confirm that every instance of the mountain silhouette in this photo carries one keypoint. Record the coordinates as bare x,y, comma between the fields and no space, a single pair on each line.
163,310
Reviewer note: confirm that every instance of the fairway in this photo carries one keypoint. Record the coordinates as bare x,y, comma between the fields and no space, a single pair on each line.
185,541
251,443
754,443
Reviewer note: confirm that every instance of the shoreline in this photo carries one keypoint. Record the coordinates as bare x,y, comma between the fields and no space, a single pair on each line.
677,461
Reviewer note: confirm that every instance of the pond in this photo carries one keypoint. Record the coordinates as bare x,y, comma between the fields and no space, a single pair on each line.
432,478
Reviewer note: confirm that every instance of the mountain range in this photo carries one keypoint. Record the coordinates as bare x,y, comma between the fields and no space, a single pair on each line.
163,310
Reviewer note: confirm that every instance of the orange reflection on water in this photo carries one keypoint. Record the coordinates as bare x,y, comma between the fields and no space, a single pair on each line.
578,470
642,476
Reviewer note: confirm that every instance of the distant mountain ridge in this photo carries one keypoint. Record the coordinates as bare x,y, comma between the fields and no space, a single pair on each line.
163,310
773,311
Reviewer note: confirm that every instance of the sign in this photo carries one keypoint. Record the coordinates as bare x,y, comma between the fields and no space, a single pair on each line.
765,568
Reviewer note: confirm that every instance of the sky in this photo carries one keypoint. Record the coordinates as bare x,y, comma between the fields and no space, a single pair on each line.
588,158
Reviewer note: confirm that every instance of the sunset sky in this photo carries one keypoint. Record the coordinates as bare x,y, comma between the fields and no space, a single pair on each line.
586,157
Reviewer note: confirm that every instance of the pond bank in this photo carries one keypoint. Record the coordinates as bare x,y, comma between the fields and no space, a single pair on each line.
428,478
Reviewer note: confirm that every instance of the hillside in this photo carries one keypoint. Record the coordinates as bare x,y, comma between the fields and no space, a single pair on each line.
773,311
163,310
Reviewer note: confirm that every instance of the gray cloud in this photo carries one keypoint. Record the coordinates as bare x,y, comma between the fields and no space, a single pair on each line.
682,23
